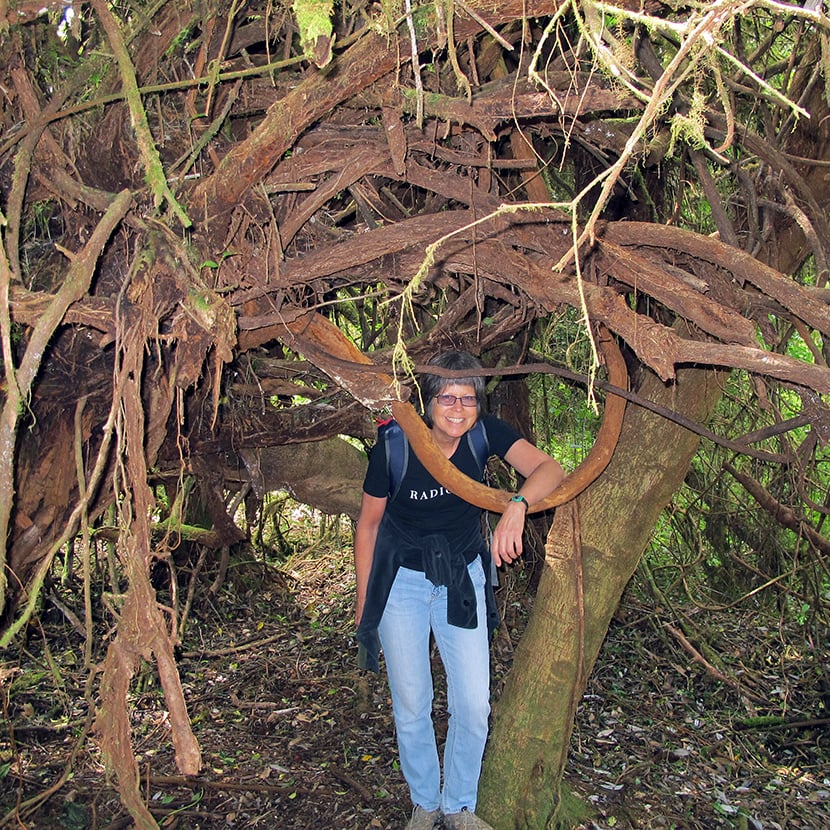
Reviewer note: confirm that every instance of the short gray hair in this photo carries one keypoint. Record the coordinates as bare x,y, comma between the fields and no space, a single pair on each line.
432,385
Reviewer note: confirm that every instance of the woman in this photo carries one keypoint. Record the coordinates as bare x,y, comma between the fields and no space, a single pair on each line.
421,564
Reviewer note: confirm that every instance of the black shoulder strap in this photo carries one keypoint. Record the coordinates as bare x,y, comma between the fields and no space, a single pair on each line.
479,445
397,454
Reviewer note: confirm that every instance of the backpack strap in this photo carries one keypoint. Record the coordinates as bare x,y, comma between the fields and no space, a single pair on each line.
397,454
479,445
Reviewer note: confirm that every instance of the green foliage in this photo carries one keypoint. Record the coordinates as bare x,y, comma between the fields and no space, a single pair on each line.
314,22
565,420
75,816
715,546
37,219
797,348
184,40
689,127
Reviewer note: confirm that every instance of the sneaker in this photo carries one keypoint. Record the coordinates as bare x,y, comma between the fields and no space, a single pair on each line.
465,820
423,819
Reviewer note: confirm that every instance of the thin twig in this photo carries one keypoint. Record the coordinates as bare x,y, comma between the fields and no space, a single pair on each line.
697,657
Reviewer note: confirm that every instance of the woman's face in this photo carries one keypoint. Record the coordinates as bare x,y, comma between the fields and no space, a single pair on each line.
453,419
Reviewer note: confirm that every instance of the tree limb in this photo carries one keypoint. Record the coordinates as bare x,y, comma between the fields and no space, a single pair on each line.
19,382
785,515
154,169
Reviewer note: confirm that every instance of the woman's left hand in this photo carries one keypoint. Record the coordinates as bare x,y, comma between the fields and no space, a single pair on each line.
507,537
542,475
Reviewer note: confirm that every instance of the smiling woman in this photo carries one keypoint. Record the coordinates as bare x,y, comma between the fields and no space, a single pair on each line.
422,568
452,415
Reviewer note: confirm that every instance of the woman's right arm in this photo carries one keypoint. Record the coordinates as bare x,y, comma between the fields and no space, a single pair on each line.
372,509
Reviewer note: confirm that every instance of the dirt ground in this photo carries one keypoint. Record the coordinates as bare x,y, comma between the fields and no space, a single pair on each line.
294,736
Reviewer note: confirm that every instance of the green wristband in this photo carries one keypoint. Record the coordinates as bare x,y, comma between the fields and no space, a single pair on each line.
520,498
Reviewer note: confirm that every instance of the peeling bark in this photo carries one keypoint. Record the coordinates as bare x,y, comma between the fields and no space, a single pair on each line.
314,192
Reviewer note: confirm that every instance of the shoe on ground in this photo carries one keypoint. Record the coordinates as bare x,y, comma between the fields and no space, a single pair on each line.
465,820
423,819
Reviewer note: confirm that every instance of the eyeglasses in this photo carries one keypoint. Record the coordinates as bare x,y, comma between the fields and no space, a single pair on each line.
449,400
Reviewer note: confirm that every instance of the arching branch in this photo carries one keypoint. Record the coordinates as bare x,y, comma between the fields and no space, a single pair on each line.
489,498
326,347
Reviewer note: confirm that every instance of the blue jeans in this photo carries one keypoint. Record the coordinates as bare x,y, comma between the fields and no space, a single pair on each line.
416,606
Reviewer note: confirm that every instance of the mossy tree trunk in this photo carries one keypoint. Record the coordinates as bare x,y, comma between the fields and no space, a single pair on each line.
592,551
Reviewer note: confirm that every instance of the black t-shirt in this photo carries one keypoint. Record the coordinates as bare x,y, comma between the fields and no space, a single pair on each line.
422,504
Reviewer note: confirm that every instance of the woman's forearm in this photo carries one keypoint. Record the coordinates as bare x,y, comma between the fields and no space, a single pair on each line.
542,481
364,551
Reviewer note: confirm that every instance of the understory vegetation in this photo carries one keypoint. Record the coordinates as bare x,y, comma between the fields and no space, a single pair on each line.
693,718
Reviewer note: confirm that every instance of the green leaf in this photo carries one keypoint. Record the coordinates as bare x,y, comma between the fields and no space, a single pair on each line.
75,816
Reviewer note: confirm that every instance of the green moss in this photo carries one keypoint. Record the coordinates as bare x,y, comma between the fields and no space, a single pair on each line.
314,22
571,812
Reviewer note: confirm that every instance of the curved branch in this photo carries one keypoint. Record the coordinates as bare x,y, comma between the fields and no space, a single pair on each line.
488,498
327,347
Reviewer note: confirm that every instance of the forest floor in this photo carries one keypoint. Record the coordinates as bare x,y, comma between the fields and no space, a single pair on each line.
294,736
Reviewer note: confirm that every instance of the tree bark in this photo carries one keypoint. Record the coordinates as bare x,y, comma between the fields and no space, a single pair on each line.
324,474
590,557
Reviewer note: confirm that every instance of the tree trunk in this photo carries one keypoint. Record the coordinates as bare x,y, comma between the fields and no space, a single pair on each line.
327,475
578,593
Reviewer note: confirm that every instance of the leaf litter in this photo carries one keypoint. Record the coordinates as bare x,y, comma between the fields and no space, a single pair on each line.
294,736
